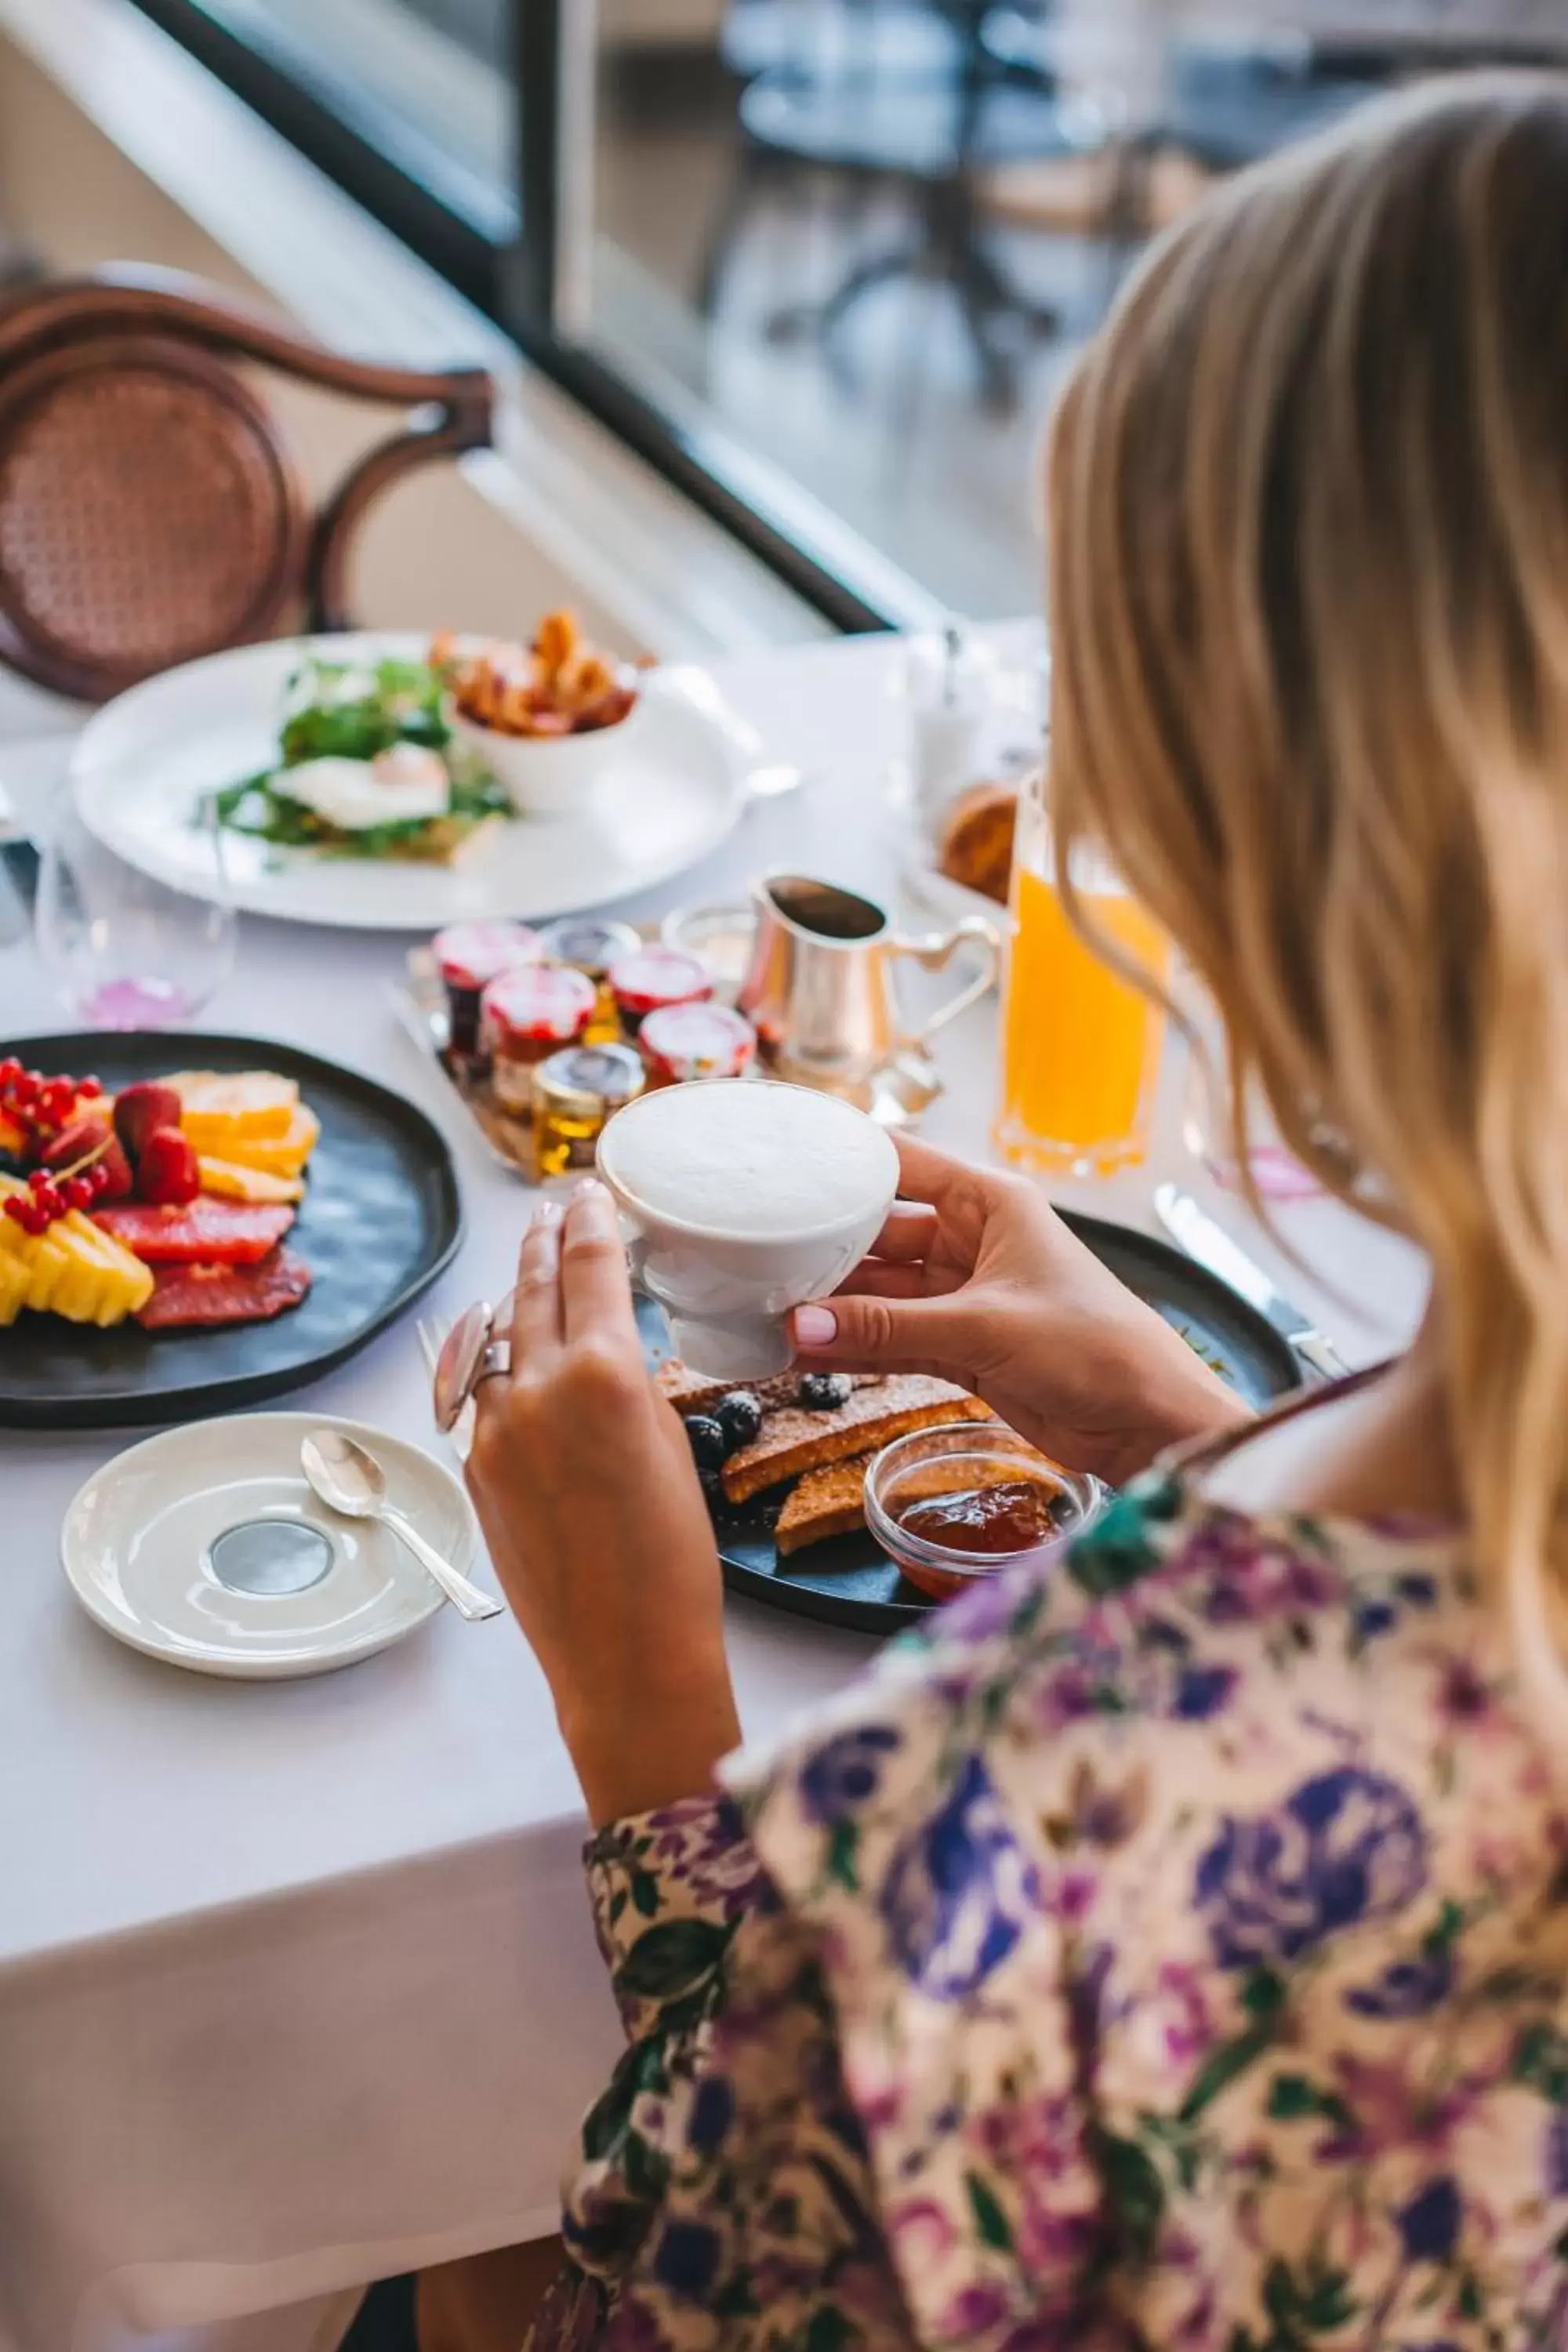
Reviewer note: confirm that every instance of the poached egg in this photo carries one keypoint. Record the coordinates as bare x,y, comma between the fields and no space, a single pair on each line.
400,786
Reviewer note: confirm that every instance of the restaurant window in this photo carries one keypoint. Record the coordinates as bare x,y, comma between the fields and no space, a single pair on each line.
821,261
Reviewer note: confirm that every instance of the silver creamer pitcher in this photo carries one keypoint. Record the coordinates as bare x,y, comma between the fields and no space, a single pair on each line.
821,991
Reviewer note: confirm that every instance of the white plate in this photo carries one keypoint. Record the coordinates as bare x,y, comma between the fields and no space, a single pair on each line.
136,1547
669,796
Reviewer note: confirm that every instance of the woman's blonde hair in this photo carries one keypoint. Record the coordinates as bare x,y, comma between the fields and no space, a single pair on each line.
1309,533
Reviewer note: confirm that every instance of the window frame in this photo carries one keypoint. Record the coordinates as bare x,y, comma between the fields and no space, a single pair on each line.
507,261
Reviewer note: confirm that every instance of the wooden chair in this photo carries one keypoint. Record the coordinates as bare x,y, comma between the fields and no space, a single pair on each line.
149,508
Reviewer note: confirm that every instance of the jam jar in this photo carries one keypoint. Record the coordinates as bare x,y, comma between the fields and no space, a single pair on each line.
574,1092
696,1041
647,979
469,957
589,943
957,1503
525,1016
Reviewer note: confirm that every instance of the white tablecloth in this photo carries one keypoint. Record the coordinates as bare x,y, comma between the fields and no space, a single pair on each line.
297,1984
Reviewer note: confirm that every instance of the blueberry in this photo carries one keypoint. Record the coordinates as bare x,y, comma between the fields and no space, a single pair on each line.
713,1485
707,1442
739,1416
822,1392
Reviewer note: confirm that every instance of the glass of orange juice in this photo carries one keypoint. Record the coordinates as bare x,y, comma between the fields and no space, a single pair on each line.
1081,1046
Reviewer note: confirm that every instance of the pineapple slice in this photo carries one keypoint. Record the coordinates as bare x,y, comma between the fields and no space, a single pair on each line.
231,1181
13,1240
48,1272
13,1289
43,1264
115,1284
255,1105
75,1270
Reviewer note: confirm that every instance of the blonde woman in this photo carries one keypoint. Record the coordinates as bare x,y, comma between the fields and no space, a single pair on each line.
1171,1949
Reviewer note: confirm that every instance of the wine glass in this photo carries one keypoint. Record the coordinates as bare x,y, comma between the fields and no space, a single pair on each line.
124,949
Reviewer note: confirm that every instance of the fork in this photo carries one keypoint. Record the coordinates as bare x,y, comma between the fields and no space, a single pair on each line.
432,1338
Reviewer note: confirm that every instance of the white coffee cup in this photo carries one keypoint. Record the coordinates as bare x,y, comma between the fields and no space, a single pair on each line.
740,1198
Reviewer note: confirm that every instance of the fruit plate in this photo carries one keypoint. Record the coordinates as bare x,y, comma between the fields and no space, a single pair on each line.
670,794
852,1582
380,1220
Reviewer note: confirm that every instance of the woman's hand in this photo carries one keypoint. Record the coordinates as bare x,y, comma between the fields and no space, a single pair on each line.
976,1279
585,1487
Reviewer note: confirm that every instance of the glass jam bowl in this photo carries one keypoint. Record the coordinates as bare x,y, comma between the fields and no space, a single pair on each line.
957,1503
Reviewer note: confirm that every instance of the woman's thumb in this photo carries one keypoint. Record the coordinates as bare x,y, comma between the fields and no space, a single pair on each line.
854,1333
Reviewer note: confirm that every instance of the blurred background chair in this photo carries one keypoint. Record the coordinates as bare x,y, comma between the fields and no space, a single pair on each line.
151,510
881,97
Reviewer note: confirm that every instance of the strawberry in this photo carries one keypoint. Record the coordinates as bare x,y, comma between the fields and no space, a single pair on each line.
143,1109
79,1141
112,1178
167,1175
91,1141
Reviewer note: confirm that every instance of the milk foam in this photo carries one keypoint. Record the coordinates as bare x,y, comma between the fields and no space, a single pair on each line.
743,1156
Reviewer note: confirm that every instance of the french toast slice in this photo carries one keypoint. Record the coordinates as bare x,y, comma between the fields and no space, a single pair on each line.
823,1504
794,1440
690,1392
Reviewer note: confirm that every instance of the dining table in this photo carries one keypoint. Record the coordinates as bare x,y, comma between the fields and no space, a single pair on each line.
298,1983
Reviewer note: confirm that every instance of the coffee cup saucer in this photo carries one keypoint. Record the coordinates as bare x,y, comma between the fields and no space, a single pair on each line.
206,1548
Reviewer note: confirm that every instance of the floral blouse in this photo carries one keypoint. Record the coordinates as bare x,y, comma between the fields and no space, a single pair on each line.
1168,1947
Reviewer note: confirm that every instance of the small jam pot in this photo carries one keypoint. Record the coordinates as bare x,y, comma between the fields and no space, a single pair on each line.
696,1041
951,1505
592,945
574,1092
647,979
720,936
470,955
524,1017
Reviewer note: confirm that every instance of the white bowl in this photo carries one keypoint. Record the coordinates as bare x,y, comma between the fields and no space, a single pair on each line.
726,1294
547,775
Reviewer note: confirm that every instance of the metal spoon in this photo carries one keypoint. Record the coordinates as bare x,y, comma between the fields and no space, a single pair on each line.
351,1480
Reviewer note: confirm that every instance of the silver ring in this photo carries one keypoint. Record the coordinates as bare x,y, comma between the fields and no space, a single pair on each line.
494,1364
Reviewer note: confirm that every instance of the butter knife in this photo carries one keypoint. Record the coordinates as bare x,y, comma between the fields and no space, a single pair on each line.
1210,1247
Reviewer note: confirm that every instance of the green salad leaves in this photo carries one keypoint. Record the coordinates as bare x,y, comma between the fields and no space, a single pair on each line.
336,710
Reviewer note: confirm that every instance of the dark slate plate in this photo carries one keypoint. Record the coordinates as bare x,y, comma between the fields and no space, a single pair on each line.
380,1220
852,1582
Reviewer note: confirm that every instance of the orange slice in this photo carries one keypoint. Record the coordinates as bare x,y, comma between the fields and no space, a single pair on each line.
279,1155
254,1103
231,1182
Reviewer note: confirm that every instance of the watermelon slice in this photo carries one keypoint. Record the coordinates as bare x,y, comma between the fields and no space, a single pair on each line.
203,1296
204,1231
